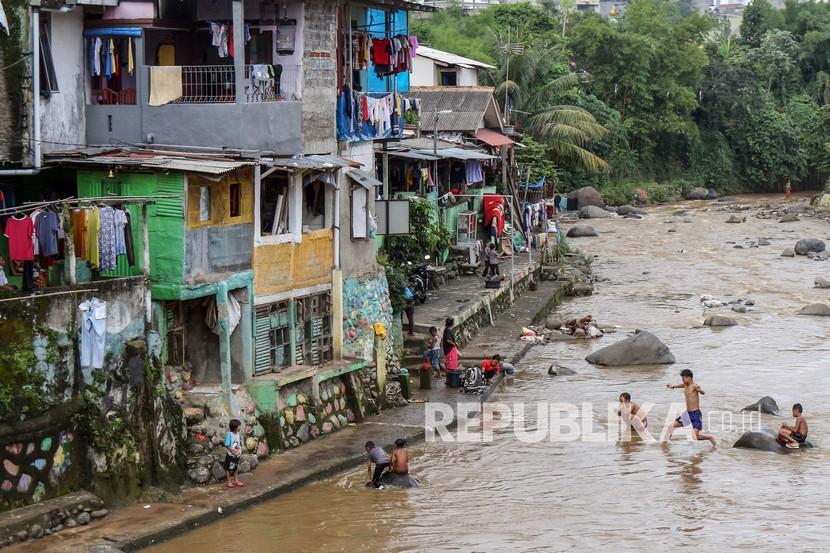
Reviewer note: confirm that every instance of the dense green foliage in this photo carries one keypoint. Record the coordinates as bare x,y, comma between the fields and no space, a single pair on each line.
662,94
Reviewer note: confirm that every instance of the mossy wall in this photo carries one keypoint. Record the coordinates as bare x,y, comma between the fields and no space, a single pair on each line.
112,430
15,87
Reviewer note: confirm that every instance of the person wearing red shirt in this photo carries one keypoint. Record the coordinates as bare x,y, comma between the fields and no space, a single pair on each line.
491,367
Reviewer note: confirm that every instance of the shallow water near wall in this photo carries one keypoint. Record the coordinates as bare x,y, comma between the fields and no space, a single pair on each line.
604,494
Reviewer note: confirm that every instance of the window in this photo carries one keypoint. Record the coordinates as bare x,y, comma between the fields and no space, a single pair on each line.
274,205
315,201
273,338
174,320
360,212
48,78
235,198
313,327
204,203
449,78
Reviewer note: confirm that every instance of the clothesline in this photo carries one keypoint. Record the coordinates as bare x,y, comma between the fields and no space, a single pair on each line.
31,206
65,292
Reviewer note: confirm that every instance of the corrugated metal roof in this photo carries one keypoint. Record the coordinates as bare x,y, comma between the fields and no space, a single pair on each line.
458,153
158,163
450,58
364,179
414,154
467,107
316,161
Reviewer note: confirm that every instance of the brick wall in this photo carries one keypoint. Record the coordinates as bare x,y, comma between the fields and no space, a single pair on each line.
320,77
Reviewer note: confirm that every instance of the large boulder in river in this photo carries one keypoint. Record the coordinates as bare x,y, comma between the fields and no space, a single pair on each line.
629,209
697,193
594,212
817,309
807,245
765,440
765,405
580,231
644,348
587,195
719,320
404,481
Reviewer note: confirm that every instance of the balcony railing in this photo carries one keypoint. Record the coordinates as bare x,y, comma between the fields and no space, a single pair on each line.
215,84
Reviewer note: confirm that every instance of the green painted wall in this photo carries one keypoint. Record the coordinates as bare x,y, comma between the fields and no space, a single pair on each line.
166,223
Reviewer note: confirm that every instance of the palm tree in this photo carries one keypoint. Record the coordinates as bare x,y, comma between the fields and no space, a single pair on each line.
567,130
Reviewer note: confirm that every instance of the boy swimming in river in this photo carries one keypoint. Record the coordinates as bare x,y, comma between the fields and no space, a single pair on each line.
630,412
692,416
794,436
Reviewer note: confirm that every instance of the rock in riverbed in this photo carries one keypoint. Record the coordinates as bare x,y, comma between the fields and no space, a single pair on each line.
817,309
587,195
822,282
790,218
765,405
788,252
644,348
807,245
628,209
697,193
404,481
736,219
558,370
580,231
765,440
719,320
594,212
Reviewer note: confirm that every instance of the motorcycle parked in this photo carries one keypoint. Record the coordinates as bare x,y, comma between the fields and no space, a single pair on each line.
419,280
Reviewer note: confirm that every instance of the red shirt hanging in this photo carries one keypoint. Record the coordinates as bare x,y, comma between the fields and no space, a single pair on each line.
19,232
380,51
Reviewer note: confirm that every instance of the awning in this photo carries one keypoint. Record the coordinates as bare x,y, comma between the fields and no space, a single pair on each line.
207,167
364,179
493,138
419,155
113,31
322,162
458,153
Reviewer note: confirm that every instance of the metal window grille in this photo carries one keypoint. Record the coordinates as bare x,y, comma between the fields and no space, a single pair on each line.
207,84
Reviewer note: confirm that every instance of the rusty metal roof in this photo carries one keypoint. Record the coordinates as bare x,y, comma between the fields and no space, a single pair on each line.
469,108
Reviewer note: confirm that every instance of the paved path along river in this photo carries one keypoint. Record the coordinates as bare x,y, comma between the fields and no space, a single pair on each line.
603,494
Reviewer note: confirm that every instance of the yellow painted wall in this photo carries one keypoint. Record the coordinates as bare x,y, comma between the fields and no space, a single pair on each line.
281,267
220,208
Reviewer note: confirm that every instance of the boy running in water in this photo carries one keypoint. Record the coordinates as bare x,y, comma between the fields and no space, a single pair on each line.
692,415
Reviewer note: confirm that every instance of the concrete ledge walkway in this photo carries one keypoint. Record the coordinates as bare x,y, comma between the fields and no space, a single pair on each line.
464,296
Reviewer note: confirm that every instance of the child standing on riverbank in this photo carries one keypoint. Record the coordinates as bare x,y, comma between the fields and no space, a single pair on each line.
233,448
692,415
433,352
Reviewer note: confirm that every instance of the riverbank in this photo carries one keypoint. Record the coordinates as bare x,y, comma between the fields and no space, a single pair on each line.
145,523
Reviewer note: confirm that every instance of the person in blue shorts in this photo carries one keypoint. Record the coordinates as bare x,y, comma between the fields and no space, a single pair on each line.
692,415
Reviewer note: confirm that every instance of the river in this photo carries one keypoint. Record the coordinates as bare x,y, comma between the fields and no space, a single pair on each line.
606,495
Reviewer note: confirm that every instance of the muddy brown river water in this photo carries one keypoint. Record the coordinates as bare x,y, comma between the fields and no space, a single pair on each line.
606,495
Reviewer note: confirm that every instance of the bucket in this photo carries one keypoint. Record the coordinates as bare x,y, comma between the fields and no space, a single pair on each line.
403,378
426,377
454,377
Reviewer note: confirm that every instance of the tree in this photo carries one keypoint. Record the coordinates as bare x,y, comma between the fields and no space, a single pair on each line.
775,61
759,17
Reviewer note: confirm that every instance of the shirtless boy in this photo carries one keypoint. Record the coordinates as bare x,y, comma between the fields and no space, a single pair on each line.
400,457
794,436
630,412
692,415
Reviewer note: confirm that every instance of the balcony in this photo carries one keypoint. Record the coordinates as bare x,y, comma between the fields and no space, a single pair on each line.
200,108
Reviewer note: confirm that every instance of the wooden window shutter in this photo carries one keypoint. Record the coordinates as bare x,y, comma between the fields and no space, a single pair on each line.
262,341
170,207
